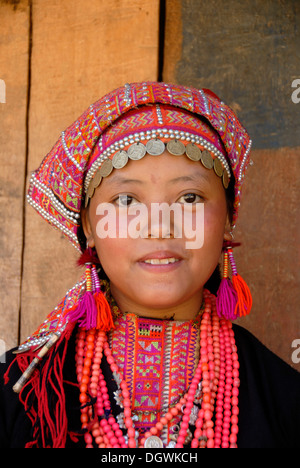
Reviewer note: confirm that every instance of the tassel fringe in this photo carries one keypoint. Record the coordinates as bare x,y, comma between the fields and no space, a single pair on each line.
244,298
43,396
93,310
234,297
226,300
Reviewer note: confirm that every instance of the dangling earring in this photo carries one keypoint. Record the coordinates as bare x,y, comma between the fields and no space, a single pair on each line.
93,310
233,297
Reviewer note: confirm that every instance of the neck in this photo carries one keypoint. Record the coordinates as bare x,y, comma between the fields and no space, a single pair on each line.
187,310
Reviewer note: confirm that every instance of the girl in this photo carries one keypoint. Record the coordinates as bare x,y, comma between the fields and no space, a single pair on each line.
142,351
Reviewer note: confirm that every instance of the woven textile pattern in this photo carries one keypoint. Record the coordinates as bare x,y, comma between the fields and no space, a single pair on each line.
158,360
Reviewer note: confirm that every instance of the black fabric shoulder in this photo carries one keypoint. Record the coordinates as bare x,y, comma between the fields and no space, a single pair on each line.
269,396
15,426
269,399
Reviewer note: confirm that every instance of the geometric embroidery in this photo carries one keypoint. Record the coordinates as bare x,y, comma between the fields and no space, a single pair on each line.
158,360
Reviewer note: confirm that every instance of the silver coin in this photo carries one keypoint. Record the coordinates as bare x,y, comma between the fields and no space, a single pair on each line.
120,159
225,179
96,179
155,147
207,160
106,168
218,168
193,152
153,442
90,191
136,151
86,202
176,147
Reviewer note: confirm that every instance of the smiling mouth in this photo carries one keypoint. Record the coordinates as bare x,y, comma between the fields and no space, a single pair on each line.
161,261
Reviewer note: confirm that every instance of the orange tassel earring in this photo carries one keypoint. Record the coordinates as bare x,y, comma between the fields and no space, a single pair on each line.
234,297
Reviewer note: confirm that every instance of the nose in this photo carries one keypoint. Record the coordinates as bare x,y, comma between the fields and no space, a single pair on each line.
160,222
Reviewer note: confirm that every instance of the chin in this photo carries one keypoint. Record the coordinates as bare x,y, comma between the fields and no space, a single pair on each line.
160,300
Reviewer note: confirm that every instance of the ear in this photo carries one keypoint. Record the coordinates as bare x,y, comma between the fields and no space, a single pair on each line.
87,228
228,236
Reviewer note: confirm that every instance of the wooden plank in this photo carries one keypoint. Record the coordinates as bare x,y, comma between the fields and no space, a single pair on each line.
81,50
14,30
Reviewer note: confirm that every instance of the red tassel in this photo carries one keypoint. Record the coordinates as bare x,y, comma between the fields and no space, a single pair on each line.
104,317
48,413
244,298
88,256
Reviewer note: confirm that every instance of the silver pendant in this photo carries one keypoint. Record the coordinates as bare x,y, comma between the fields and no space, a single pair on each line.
153,442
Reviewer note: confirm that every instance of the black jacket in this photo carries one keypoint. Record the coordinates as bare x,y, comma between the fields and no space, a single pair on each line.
269,399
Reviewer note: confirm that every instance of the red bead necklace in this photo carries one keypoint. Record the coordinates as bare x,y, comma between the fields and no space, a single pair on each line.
217,374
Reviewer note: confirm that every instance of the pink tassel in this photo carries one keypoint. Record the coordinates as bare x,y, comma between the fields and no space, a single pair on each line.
85,313
226,296
93,310
233,298
226,300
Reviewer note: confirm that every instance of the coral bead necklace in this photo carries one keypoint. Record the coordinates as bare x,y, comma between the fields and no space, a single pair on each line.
217,376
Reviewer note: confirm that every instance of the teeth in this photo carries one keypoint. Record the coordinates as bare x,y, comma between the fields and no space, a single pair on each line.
161,261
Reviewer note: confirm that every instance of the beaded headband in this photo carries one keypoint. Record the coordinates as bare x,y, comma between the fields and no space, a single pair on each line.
152,130
58,186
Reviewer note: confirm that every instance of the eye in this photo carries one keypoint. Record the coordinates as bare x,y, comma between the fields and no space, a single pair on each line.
124,200
190,198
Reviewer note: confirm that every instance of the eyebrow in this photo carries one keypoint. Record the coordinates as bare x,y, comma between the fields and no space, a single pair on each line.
121,180
190,178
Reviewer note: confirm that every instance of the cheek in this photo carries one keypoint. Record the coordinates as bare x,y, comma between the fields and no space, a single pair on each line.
215,216
214,227
114,255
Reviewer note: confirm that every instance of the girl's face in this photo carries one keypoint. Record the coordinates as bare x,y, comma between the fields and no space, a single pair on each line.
155,274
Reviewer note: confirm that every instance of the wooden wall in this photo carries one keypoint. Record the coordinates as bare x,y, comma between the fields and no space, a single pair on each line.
57,57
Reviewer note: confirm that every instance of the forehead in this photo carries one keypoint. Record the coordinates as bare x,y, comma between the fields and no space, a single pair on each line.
163,170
